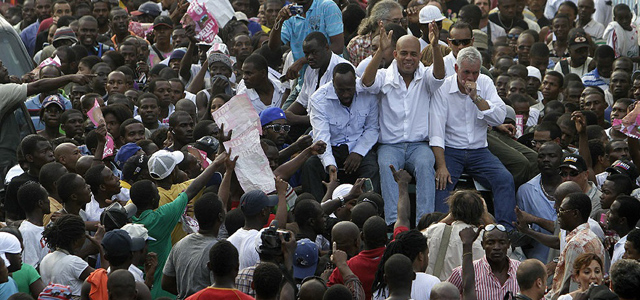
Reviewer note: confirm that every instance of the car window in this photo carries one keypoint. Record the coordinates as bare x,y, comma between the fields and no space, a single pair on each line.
15,61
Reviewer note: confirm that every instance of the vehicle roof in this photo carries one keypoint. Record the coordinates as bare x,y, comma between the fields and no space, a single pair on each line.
23,63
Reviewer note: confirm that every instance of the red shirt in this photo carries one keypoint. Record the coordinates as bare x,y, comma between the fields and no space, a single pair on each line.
399,230
219,294
364,265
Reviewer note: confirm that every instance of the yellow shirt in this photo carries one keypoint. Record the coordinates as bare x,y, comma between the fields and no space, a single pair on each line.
167,196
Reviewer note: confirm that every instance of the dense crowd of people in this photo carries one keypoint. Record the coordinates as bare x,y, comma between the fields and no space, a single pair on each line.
416,149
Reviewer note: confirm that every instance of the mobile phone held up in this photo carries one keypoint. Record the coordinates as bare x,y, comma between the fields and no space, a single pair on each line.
367,186
296,9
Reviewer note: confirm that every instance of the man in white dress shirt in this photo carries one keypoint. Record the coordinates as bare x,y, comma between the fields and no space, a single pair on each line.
406,88
460,112
347,119
460,37
263,90
321,63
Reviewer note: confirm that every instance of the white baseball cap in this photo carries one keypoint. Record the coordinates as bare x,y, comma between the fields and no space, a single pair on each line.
162,163
430,13
139,235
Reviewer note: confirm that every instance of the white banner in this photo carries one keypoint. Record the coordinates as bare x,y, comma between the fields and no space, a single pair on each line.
252,167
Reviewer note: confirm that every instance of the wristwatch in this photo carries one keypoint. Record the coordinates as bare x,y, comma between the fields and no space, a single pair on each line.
478,98
341,200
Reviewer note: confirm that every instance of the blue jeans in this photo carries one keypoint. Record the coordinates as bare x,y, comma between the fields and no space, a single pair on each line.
417,158
488,171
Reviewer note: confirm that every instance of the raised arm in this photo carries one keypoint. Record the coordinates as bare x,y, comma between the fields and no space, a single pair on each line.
438,61
201,181
185,63
403,178
583,141
369,76
274,36
225,186
48,84
468,236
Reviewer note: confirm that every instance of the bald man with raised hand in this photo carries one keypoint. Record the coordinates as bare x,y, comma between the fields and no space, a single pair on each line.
347,237
405,89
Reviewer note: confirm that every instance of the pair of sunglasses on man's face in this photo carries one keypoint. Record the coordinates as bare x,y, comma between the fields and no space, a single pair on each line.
458,42
278,127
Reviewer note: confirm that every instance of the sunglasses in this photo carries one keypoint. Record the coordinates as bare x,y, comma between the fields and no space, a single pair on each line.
570,173
459,42
279,128
513,36
492,227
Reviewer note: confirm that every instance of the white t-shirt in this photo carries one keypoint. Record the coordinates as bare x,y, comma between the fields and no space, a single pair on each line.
35,249
138,275
93,210
246,242
580,70
62,268
420,288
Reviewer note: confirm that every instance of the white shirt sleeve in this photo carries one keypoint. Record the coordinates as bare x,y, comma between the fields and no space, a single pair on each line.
320,124
497,112
438,111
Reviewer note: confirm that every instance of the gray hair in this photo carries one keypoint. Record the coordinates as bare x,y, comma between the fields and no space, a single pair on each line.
469,54
625,278
379,11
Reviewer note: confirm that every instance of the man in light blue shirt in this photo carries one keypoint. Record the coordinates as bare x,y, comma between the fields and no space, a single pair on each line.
535,197
318,15
346,119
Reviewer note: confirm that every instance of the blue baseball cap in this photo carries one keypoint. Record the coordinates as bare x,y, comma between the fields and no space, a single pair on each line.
305,259
254,201
177,54
125,152
116,242
53,99
271,114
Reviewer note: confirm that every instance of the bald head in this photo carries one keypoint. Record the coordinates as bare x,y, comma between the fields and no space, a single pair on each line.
445,291
408,42
565,189
83,164
63,148
187,106
67,154
312,290
529,272
346,235
121,285
344,231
